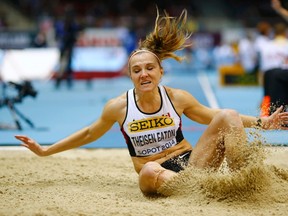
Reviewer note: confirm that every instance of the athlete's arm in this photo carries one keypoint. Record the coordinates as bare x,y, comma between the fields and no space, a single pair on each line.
202,114
185,103
198,112
79,138
277,120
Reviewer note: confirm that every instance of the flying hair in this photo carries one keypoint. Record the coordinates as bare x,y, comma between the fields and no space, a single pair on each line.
169,35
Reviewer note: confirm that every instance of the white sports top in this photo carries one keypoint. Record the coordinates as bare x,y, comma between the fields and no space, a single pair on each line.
150,133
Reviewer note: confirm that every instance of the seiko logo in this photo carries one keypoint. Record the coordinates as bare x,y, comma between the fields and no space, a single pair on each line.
150,123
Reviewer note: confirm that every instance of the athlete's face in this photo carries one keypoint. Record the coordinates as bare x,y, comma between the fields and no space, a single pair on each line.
145,71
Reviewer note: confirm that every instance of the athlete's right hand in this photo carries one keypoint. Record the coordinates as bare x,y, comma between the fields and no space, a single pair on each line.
31,145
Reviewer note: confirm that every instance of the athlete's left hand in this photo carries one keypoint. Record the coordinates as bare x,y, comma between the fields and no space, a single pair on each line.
277,120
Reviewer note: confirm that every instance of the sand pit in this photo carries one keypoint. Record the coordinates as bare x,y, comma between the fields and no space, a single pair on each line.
103,182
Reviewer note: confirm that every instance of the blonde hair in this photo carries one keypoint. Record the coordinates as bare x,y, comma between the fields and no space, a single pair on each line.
169,35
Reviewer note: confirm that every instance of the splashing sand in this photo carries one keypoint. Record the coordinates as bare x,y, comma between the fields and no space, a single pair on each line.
257,182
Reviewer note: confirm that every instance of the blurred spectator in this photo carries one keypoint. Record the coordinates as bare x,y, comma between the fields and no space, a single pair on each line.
66,35
228,63
273,53
263,37
247,53
224,54
130,42
40,40
274,56
203,57
46,26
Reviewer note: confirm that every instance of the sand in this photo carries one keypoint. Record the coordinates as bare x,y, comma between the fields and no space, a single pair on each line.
103,182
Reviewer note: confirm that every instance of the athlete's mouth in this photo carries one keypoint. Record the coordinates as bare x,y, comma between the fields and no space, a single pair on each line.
145,83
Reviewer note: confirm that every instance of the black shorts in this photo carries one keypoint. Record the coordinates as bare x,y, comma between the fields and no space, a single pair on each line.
177,163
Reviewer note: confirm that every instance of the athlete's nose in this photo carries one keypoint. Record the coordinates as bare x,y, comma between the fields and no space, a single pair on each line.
144,73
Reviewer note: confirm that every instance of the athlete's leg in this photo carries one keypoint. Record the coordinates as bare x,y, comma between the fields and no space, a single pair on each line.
225,136
152,176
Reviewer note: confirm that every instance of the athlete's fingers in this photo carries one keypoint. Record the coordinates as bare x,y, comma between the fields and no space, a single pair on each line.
278,110
21,137
24,138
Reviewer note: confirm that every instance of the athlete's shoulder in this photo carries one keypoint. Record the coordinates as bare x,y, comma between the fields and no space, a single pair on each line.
115,108
118,102
176,93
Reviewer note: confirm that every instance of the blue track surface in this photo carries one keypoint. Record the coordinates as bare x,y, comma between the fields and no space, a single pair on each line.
58,113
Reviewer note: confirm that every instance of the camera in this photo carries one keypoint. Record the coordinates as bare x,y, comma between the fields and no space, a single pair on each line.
25,89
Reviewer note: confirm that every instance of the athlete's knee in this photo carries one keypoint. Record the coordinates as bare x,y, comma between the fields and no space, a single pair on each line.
148,177
229,117
228,113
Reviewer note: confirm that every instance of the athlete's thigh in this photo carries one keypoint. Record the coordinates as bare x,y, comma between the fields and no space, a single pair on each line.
209,150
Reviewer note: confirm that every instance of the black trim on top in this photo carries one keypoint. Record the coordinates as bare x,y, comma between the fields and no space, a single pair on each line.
126,137
145,112
129,144
179,135
127,103
171,102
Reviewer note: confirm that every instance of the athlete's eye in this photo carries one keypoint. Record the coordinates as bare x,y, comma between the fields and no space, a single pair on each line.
136,70
150,68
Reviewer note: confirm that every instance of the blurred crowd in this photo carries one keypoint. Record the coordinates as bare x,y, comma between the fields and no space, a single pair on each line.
139,15
135,15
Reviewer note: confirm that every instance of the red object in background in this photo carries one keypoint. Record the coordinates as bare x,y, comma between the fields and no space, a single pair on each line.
265,106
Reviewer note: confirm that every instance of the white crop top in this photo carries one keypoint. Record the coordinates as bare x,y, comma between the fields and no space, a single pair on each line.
150,133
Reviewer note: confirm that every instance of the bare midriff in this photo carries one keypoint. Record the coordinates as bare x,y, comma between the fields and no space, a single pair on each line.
161,157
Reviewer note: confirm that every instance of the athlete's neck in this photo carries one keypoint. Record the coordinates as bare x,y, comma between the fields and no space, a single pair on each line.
148,101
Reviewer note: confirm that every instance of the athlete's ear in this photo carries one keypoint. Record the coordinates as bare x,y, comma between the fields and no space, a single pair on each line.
162,71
